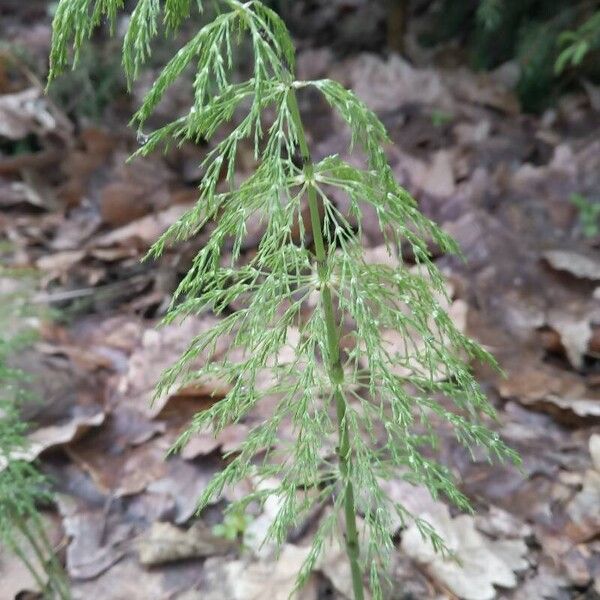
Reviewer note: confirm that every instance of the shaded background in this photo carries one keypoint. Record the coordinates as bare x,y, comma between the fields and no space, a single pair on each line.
497,147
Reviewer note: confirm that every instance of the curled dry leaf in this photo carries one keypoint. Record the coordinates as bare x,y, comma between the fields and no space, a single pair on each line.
584,509
387,85
184,482
144,231
158,350
117,466
128,580
482,563
577,264
60,434
559,393
575,335
205,442
437,178
165,543
60,262
56,435
24,113
272,579
96,543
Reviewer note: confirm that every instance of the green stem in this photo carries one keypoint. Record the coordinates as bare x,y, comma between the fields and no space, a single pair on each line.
334,365
44,554
54,569
14,546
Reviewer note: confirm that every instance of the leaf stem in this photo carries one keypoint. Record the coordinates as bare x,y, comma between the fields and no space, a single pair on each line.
334,365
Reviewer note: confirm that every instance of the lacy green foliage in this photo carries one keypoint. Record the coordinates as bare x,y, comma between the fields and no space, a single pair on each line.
388,420
22,486
543,36
576,44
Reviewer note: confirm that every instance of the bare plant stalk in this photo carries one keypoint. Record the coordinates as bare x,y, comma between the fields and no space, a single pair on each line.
334,365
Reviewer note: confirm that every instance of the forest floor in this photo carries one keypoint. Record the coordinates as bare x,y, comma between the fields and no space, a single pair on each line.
500,181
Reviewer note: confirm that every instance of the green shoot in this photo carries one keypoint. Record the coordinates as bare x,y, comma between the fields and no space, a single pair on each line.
589,214
233,526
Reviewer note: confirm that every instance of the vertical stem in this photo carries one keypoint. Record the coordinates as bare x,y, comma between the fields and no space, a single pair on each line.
44,554
14,546
334,365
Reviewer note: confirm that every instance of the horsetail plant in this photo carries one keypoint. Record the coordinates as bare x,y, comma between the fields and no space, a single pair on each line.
308,275
22,485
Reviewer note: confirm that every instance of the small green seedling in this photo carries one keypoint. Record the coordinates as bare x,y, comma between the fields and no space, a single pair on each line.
589,214
234,525
439,118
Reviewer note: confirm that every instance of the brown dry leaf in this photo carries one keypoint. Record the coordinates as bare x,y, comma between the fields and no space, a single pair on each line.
205,442
113,460
56,435
437,178
128,580
575,263
74,233
59,262
483,564
387,85
142,232
25,112
584,509
81,163
243,580
482,89
333,563
96,543
575,335
546,584
539,386
88,359
165,543
160,349
136,189
185,482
